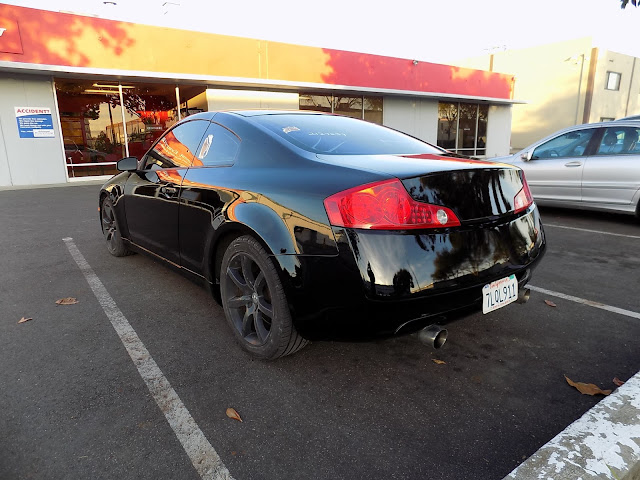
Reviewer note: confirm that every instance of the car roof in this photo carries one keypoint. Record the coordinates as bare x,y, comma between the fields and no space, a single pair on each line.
630,117
252,113
257,113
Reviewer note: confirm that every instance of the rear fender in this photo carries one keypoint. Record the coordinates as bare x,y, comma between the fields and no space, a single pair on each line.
267,227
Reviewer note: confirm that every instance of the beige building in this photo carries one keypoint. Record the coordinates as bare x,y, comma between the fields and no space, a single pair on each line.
563,84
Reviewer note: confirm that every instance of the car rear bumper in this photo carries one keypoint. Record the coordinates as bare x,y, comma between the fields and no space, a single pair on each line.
390,282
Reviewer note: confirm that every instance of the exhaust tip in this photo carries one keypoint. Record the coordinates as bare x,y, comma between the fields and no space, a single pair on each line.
523,295
434,336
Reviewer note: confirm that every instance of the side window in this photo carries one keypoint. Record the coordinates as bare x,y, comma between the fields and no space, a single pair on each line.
620,141
219,147
176,148
570,144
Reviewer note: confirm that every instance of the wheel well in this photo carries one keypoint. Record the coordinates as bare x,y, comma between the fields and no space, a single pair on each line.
101,198
224,241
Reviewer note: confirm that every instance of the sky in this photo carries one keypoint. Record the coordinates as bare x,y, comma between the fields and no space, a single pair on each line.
426,30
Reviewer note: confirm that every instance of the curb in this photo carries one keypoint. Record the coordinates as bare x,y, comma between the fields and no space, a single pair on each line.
80,183
602,444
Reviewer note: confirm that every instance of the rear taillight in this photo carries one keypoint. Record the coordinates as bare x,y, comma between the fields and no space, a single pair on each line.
385,205
523,199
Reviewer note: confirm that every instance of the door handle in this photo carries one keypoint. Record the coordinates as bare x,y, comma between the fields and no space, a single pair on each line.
169,191
573,164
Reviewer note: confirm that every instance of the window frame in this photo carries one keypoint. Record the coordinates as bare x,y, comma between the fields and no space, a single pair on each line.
196,155
470,151
608,81
332,99
143,161
624,129
594,139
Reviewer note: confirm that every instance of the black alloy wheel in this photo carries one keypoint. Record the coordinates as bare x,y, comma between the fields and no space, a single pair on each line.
254,301
115,244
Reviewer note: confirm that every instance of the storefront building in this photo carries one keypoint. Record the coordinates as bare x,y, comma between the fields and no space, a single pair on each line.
77,93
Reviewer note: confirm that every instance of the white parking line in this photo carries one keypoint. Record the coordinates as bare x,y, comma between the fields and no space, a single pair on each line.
204,458
591,303
591,231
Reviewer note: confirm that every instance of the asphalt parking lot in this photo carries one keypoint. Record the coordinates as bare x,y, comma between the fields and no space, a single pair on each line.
75,406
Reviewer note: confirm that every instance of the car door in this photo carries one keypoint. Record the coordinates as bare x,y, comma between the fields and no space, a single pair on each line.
612,174
554,171
152,194
206,194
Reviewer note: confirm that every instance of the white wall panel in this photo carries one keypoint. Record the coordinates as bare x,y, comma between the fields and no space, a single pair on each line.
498,130
28,161
415,116
219,99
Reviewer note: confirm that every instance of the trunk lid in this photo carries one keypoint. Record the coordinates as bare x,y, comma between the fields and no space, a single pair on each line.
473,189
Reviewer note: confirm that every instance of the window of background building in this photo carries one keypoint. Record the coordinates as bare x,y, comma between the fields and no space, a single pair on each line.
462,127
91,116
356,106
613,81
607,119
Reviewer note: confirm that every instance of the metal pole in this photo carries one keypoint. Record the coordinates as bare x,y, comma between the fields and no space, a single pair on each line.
178,102
124,121
579,87
633,70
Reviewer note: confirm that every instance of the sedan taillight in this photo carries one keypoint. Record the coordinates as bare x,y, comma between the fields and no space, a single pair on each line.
385,205
523,199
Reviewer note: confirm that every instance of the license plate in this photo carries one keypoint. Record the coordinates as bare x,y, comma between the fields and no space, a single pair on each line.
497,294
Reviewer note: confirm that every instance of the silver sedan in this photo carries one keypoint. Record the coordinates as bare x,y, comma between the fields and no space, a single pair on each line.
594,166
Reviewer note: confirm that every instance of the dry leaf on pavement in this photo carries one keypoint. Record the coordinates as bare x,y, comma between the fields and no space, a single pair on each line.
67,301
24,319
587,388
232,413
618,382
439,362
550,303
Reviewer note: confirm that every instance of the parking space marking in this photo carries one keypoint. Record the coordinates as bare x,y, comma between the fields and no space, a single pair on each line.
591,303
203,456
591,231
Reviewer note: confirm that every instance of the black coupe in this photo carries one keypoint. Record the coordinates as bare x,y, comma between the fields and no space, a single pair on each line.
309,226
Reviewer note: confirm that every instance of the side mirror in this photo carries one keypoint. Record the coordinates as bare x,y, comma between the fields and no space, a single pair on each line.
526,156
128,164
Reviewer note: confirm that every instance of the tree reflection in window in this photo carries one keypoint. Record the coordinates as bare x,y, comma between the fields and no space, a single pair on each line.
366,107
462,127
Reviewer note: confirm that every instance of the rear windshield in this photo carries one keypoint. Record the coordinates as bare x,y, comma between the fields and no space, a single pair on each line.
335,135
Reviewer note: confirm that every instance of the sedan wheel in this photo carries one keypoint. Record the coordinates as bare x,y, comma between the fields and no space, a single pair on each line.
115,244
254,301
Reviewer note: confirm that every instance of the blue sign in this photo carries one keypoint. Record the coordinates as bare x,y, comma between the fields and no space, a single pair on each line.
34,122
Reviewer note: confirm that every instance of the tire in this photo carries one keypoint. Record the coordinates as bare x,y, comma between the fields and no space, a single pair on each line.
115,244
254,301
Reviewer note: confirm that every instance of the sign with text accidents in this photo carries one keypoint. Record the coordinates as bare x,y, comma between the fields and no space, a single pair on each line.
10,41
34,122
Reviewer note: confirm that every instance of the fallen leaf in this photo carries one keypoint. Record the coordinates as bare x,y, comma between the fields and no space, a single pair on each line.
618,382
232,413
550,303
23,319
587,388
439,362
67,301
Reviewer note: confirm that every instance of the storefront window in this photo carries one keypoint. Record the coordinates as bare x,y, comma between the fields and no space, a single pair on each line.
462,127
91,116
447,125
149,110
373,109
319,103
348,106
356,106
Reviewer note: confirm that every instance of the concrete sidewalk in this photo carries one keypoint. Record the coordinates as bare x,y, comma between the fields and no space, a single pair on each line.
603,444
